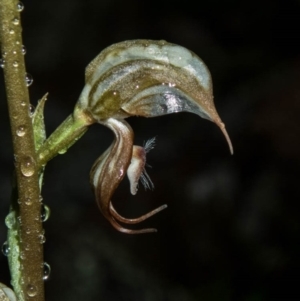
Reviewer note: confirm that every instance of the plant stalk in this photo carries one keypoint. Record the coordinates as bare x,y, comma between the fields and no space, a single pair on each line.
63,137
29,283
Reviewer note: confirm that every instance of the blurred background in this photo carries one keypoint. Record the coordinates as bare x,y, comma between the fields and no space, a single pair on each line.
232,229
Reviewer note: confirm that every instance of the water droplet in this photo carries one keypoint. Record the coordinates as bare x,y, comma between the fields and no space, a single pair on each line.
4,53
47,271
2,63
22,255
15,64
20,6
42,238
11,31
19,219
31,290
15,21
137,86
62,151
31,110
28,231
10,220
23,50
40,198
28,79
17,42
23,103
21,131
45,213
27,166
28,201
14,52
5,249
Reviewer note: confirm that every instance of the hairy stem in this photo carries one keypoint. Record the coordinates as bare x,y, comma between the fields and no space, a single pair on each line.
28,284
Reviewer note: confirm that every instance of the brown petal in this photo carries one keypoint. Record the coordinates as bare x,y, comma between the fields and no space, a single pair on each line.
109,170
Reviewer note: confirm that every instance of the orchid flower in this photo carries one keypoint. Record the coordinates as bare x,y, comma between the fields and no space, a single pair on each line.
140,78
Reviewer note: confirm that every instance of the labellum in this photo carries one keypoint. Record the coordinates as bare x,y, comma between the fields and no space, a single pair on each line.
136,171
140,78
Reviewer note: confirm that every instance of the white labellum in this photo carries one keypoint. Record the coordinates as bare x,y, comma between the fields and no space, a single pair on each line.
136,170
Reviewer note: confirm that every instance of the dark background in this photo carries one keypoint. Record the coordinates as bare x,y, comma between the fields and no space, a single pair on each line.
231,231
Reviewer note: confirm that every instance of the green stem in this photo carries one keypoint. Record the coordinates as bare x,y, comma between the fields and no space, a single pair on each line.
63,137
27,278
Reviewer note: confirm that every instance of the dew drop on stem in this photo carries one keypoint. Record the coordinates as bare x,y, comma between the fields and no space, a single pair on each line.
23,50
45,213
31,110
15,21
21,131
2,63
42,238
19,220
62,151
28,79
20,6
31,290
5,249
47,271
27,166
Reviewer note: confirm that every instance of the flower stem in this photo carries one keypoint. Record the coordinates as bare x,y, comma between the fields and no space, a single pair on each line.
63,137
28,279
